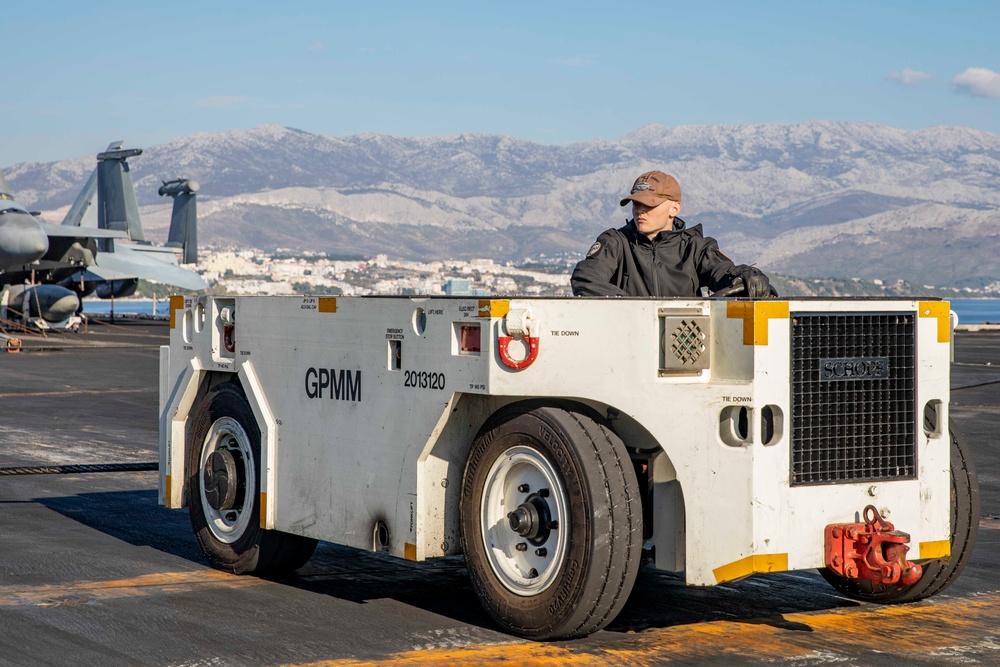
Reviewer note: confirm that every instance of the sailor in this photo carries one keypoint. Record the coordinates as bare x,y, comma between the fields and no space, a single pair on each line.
656,254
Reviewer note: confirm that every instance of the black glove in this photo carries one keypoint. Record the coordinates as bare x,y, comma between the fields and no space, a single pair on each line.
755,282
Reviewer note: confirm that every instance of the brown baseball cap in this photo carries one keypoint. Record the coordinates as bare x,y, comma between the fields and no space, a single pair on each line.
653,188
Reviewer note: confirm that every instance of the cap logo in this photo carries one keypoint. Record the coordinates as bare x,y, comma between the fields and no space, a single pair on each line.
639,187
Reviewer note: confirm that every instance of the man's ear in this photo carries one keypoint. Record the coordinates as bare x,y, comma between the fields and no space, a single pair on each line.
677,208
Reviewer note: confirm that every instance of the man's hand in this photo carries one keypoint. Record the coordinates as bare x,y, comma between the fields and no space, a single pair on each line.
755,282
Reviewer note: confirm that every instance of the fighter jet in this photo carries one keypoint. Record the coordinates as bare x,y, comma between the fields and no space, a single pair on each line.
121,260
29,246
21,237
100,247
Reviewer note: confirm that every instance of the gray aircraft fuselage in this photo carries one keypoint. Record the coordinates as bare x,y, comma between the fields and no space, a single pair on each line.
22,239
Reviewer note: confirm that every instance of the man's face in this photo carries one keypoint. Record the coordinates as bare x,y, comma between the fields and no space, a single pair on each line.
653,220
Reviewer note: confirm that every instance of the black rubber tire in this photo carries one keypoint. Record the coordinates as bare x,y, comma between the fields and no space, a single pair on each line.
604,542
939,573
255,550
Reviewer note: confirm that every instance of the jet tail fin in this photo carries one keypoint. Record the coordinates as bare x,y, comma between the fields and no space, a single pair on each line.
184,218
4,188
83,204
116,205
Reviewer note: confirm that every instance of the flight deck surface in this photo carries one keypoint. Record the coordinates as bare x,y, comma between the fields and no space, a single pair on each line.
94,571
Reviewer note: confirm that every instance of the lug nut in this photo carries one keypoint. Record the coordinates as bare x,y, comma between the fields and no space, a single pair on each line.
523,488
553,524
544,493
541,553
521,546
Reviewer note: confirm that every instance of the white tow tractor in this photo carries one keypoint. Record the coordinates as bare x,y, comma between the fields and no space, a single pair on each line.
552,441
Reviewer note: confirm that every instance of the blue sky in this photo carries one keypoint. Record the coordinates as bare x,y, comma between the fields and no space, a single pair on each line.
77,75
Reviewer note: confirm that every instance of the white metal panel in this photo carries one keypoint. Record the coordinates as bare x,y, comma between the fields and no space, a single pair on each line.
355,440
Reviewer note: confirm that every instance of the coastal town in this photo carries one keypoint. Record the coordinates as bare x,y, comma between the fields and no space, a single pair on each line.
252,271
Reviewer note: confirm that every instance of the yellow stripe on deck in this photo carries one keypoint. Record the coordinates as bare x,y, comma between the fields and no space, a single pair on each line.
80,592
848,635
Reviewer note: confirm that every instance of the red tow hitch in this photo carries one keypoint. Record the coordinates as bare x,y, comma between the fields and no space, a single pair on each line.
873,550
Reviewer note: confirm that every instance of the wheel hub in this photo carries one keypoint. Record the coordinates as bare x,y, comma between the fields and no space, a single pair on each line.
220,480
531,519
227,479
523,509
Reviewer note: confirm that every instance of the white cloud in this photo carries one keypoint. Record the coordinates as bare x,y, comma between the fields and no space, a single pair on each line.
220,101
316,48
908,77
978,82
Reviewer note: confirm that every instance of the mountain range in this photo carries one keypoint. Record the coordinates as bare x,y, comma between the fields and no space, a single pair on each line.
816,199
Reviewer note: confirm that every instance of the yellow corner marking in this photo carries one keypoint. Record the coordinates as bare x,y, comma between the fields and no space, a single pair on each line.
176,303
328,304
942,311
939,549
409,551
167,492
742,310
750,565
263,510
756,315
493,307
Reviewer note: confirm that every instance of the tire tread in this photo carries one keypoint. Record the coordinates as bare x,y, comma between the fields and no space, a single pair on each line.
610,569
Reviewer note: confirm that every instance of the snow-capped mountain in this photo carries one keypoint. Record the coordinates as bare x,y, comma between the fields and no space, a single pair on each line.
816,199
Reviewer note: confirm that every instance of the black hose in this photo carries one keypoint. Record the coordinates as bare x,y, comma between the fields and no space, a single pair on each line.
79,468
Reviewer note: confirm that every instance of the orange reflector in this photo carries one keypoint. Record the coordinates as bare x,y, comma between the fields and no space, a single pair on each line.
470,339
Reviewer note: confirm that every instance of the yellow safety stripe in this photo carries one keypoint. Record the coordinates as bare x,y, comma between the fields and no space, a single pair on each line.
750,565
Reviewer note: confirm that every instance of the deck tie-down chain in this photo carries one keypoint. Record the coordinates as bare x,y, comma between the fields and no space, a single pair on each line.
80,468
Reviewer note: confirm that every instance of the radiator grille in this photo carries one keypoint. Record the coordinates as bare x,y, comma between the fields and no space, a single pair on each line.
853,403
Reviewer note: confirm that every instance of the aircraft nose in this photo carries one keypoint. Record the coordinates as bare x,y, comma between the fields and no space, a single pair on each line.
22,240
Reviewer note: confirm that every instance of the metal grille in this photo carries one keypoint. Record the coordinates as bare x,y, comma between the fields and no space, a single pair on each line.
687,342
853,403
685,345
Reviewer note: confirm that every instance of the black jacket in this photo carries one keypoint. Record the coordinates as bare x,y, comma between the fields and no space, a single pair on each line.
624,262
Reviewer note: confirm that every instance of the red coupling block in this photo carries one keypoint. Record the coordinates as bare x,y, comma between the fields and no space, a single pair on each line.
873,550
